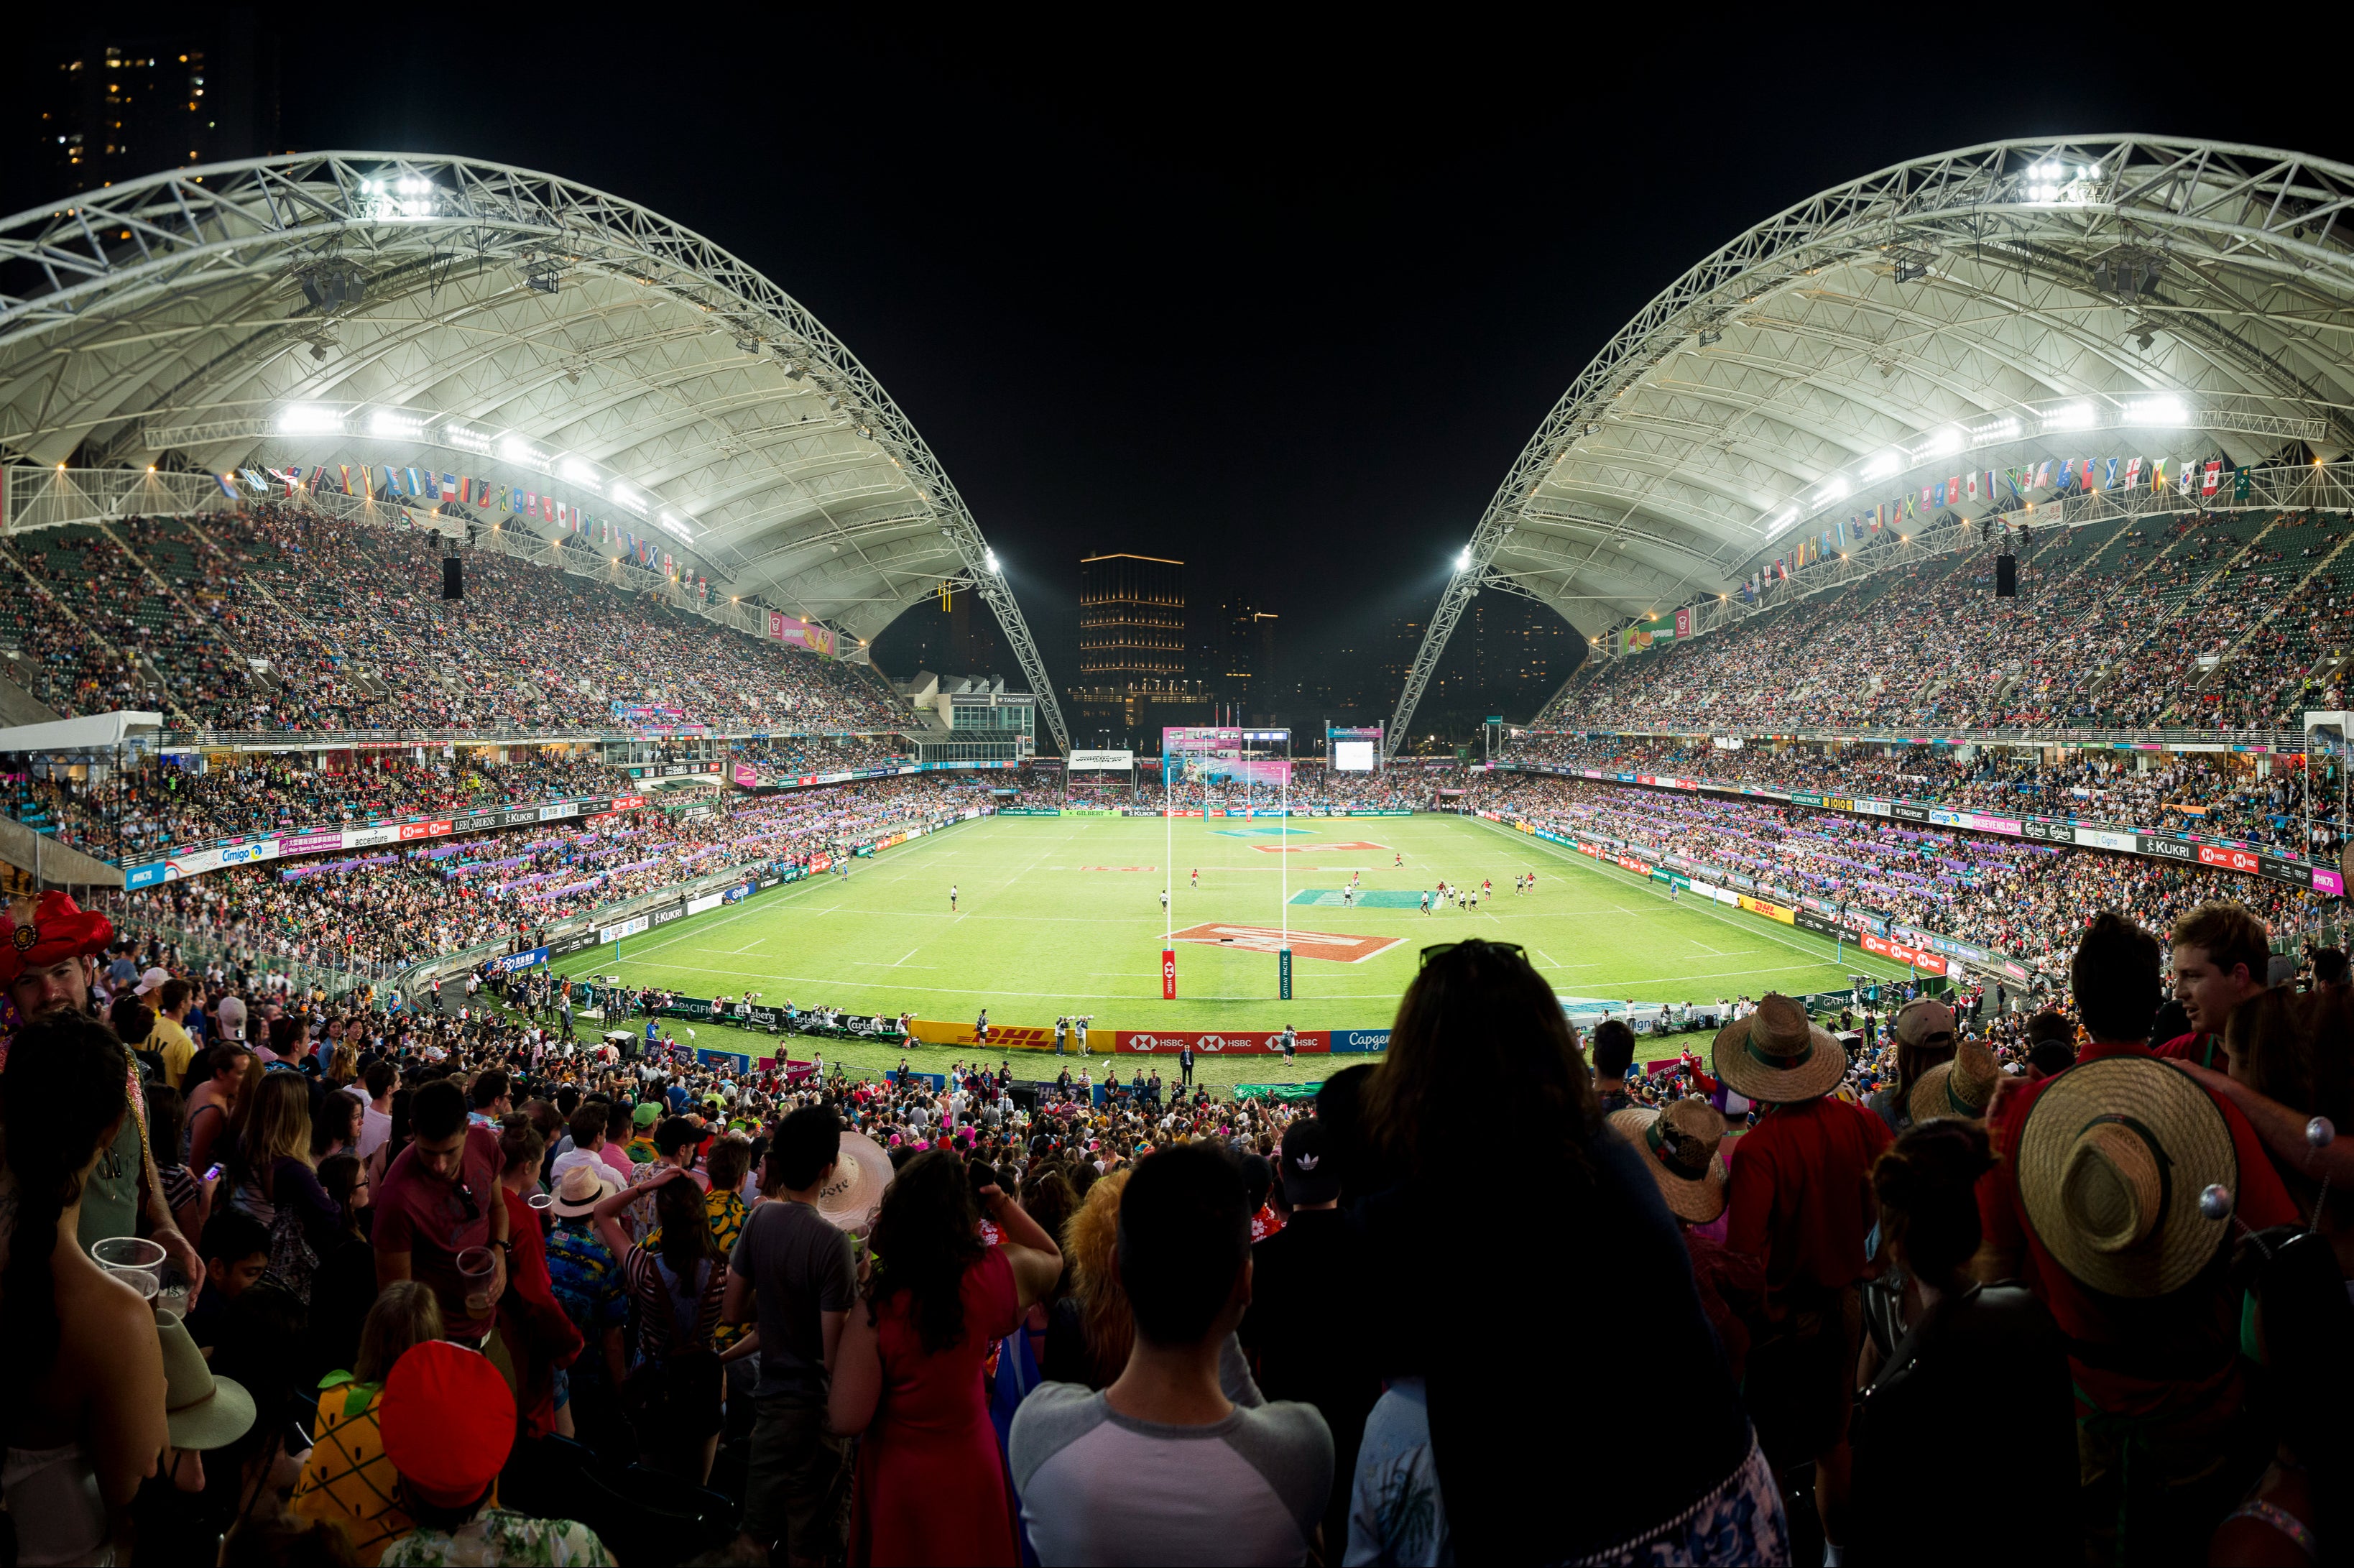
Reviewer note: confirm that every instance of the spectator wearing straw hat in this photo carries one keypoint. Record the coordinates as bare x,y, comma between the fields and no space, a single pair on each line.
2096,1201
448,1423
1680,1143
1960,1087
1802,1207
1925,1037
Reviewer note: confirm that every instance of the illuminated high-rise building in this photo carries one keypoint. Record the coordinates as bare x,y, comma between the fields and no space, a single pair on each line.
1131,621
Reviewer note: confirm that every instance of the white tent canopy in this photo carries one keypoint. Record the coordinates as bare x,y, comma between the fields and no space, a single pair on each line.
96,732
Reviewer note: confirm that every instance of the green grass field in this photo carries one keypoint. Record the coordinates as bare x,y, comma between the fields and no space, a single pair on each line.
1062,916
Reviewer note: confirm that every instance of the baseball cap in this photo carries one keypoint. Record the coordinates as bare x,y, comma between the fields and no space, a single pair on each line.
151,980
1310,1173
646,1114
448,1420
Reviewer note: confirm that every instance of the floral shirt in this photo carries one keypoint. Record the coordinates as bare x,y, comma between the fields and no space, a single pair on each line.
497,1537
589,1288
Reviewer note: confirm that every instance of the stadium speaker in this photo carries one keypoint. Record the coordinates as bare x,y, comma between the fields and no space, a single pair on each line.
2006,576
453,578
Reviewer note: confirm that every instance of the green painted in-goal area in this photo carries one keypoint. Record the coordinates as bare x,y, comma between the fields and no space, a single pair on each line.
1062,916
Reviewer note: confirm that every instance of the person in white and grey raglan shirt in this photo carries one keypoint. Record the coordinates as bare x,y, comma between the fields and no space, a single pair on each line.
1179,1460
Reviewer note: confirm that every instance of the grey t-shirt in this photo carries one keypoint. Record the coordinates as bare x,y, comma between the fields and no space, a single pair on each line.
800,1267
1098,1488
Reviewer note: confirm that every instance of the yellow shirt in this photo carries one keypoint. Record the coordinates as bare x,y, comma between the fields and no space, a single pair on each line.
178,1048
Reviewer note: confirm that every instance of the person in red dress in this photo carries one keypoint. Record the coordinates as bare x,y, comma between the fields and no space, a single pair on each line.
931,1484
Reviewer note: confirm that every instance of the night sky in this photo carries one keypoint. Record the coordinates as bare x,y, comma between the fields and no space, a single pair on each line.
1284,305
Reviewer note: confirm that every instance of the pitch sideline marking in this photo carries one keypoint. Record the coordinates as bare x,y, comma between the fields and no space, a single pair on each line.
1569,857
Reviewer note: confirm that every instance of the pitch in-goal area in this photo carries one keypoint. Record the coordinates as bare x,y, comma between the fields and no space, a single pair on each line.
1062,916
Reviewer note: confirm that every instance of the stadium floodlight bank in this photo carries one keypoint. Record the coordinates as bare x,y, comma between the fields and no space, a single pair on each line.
1956,330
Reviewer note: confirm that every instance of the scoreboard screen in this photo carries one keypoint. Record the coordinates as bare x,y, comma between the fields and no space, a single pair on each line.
1352,756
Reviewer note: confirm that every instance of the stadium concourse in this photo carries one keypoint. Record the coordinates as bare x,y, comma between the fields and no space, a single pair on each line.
470,1095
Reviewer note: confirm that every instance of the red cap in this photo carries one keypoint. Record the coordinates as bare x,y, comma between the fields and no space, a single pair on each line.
449,1420
59,929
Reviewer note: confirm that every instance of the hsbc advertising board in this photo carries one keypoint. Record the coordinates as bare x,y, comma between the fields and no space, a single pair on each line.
1216,1043
2229,859
1902,953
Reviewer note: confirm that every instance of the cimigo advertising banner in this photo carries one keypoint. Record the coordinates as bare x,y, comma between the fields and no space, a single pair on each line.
1110,762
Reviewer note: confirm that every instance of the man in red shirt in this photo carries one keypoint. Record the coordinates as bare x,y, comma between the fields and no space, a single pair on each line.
439,1198
1802,1206
2096,1206
2221,955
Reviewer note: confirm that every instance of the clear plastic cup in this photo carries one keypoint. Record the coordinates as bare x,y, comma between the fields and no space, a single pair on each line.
135,1260
474,1266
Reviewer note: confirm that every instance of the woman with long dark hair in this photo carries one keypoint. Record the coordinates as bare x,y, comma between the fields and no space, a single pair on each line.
82,1384
1486,1109
676,1386
931,1484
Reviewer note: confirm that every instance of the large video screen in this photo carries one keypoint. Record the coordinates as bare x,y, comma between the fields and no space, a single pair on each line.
1352,756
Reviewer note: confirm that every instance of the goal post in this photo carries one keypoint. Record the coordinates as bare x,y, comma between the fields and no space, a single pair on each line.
1228,772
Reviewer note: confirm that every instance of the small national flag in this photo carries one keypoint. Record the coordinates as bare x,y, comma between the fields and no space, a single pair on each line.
1953,488
2133,473
531,503
2156,474
227,488
448,487
416,485
2109,474
2212,477
345,469
1971,485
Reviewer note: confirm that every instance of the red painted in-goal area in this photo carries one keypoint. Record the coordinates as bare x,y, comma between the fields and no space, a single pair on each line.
1330,946
1352,846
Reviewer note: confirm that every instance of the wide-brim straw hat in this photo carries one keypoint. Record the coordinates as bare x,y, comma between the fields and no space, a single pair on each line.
1777,1055
850,1196
1961,1087
1679,1146
200,1410
582,1190
2111,1161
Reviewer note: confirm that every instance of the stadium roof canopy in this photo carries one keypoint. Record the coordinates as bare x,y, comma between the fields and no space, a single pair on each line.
1974,311
445,315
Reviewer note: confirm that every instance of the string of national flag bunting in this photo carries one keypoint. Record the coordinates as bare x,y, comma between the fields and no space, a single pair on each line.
383,482
2071,476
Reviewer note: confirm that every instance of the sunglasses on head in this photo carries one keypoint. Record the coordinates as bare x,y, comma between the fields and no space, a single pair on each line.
1512,948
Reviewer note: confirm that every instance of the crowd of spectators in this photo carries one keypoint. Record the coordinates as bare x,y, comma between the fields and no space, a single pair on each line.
425,1288
2211,622
2030,900
280,619
2253,797
388,908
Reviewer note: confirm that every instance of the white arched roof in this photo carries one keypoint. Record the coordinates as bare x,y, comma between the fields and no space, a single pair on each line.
1974,308
369,307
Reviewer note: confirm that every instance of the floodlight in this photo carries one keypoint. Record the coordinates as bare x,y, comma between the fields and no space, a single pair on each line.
305,418
990,560
1463,560
1938,443
2069,417
1884,465
1833,489
394,422
2166,410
